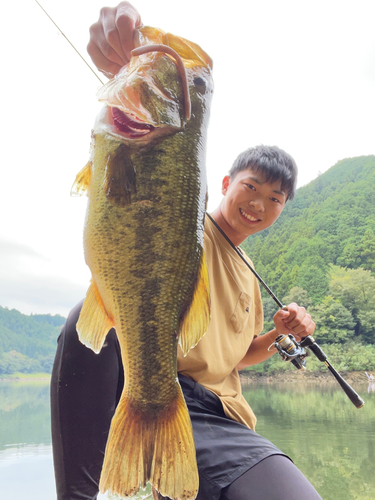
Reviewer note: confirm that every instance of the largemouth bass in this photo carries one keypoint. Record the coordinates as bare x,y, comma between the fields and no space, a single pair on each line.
143,242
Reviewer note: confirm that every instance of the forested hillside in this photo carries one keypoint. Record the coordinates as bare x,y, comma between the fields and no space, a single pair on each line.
27,343
321,254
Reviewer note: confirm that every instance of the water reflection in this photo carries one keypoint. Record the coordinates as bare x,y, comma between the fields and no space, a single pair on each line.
24,413
26,469
371,382
328,438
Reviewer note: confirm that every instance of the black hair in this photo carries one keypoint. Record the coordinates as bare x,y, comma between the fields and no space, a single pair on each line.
273,162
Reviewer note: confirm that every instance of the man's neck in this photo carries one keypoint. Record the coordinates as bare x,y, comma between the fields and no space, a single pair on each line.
235,238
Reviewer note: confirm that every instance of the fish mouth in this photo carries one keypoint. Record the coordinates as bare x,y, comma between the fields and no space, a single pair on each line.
129,125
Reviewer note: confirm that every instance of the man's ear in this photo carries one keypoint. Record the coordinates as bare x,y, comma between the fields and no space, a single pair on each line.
225,185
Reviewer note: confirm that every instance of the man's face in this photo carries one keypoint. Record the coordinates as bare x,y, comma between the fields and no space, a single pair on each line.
250,204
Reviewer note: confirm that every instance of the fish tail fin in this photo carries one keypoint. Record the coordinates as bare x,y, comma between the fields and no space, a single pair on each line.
93,322
195,322
154,447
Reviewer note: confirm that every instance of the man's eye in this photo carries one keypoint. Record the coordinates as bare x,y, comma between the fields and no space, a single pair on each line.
250,186
276,200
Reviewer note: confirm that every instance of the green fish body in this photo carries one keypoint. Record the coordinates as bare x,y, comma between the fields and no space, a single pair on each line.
143,242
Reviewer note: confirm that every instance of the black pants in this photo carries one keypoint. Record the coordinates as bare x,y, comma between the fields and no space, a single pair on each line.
234,462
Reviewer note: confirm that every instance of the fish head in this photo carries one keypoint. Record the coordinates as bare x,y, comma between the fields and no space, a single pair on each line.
165,87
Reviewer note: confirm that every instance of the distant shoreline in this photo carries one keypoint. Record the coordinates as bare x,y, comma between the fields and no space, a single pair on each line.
25,377
248,377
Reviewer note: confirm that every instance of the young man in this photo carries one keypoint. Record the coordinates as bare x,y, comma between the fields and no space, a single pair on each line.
234,462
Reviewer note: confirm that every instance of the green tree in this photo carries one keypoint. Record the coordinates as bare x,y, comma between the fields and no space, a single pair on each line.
355,289
299,296
312,277
334,323
367,323
351,254
368,249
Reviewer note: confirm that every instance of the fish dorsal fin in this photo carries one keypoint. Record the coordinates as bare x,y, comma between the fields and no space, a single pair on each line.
81,184
93,323
190,52
195,322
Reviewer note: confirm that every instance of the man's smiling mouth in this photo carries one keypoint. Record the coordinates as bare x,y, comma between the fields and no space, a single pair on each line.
249,217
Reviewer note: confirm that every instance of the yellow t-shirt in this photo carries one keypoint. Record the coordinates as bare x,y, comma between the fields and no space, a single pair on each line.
236,318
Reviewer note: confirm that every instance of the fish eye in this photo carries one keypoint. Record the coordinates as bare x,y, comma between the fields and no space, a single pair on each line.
200,83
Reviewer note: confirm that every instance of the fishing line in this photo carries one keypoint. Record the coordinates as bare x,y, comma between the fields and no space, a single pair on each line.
66,38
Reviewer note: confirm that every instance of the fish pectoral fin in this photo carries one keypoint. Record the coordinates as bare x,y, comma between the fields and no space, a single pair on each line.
93,322
81,184
195,322
156,448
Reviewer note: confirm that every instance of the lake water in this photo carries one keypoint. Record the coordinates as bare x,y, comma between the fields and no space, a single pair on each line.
331,441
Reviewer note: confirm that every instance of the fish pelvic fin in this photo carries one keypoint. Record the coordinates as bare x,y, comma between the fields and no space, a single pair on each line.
195,322
93,322
82,181
155,448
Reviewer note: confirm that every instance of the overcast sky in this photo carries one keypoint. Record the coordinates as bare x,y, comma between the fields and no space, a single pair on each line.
293,73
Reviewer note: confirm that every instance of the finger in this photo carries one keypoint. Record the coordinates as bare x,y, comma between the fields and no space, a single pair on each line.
305,329
292,309
112,37
99,38
281,316
127,19
299,318
278,319
108,68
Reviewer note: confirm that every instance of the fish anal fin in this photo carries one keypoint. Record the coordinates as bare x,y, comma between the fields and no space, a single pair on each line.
195,322
158,449
120,177
93,322
82,181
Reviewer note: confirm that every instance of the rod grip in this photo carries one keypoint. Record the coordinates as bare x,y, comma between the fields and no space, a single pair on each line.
310,343
349,391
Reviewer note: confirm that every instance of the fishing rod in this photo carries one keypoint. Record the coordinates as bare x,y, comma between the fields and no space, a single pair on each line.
287,346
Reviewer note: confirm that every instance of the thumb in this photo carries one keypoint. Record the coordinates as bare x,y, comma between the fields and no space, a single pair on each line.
279,319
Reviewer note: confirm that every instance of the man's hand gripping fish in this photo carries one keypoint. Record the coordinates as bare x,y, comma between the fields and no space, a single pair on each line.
143,242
